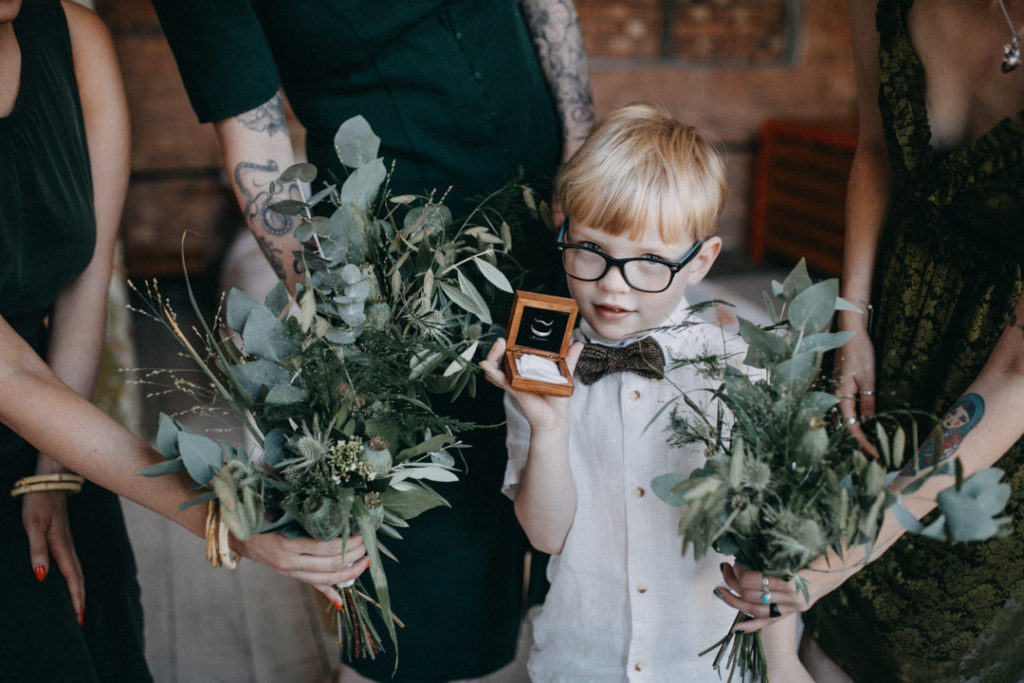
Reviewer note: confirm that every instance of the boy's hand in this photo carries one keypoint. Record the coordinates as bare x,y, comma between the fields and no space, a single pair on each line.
540,410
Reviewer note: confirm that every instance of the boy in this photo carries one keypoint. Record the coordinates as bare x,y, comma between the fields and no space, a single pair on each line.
642,197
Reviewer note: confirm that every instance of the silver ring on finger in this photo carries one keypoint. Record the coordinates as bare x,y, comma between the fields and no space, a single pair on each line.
766,591
851,421
867,392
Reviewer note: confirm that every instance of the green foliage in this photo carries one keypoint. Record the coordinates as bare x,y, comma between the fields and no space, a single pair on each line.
395,304
783,481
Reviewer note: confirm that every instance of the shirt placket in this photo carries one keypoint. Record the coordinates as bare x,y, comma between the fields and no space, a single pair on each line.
637,496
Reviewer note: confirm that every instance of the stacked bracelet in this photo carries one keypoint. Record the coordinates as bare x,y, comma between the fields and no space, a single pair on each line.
64,481
868,308
218,550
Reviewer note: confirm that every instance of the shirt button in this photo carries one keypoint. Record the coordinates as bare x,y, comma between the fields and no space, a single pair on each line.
641,588
478,75
635,395
639,492
458,36
492,115
639,666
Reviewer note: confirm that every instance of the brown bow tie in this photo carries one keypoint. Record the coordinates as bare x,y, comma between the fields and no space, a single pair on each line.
644,357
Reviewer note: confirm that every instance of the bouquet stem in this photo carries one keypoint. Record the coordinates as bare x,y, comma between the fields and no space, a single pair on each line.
356,632
746,653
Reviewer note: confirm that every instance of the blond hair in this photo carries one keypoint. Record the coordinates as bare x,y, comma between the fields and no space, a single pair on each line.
641,167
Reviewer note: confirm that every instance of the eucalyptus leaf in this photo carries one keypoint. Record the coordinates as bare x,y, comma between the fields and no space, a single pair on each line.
664,487
277,300
263,336
167,436
764,349
356,143
797,281
302,172
362,186
969,511
274,451
823,342
812,309
254,376
793,377
844,305
304,232
289,207
237,308
322,226
203,457
322,194
816,404
286,394
165,467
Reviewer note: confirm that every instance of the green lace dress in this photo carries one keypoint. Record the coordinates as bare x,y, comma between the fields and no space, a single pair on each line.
948,277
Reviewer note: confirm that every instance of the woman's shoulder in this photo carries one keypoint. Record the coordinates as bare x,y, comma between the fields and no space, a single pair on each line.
88,32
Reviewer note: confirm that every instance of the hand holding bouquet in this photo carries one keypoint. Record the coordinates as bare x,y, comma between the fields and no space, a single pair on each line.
338,396
784,482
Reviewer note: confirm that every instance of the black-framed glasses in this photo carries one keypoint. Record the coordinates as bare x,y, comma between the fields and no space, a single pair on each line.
642,273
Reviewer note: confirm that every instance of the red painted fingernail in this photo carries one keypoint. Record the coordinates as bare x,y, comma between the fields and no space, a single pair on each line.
40,571
338,606
367,563
81,616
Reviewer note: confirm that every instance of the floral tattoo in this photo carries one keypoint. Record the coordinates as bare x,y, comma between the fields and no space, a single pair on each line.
268,117
957,422
555,28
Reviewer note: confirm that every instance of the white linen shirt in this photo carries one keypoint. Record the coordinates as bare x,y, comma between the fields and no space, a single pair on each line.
624,603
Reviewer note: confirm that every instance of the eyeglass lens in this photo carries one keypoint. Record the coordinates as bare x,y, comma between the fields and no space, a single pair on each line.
644,275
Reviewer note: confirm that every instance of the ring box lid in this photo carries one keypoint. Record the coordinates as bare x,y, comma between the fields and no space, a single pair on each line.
541,325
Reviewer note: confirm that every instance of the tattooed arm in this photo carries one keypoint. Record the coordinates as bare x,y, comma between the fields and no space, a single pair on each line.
984,423
256,149
555,29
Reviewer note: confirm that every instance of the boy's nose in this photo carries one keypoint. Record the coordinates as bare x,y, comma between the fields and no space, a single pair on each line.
614,280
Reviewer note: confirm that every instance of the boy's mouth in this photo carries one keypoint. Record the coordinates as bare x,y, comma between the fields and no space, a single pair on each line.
610,311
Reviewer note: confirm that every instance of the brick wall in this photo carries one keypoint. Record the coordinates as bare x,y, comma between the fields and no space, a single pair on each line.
699,32
726,65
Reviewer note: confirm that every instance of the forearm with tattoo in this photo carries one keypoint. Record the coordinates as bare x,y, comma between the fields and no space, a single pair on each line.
956,424
555,28
253,182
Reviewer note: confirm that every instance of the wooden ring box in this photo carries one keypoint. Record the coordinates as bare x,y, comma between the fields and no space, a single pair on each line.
540,325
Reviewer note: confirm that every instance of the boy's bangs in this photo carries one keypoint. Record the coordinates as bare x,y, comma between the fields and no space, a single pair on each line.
631,211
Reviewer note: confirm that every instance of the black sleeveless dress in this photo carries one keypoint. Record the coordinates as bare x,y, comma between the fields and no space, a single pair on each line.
47,237
948,277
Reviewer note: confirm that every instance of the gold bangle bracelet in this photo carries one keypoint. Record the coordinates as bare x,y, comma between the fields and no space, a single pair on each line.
63,481
218,550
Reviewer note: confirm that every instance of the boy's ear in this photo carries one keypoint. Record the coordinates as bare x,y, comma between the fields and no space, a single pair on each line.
700,266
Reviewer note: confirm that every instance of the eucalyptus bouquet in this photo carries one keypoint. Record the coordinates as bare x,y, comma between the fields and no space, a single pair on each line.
783,481
335,384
